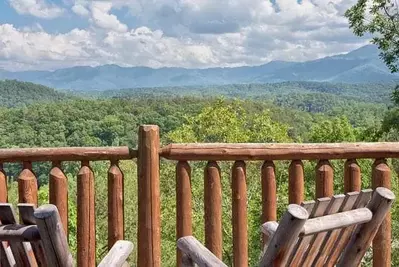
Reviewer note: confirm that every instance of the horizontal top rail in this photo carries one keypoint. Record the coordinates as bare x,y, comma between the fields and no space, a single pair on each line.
280,151
66,154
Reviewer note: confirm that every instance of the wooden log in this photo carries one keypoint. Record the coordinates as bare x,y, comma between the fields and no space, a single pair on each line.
335,221
59,193
213,209
183,204
345,234
6,257
116,227
379,205
198,253
274,151
19,233
86,236
352,176
268,229
324,179
381,177
239,214
22,256
66,154
318,239
26,214
3,185
118,254
149,217
283,241
296,182
300,249
27,185
269,190
53,236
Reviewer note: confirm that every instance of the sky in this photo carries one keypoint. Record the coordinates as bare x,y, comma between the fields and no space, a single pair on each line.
54,34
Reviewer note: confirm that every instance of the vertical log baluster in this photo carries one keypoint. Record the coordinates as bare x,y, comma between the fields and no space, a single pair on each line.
27,185
296,182
239,205
115,204
3,185
86,254
269,198
213,209
183,204
59,193
149,217
381,177
324,179
352,178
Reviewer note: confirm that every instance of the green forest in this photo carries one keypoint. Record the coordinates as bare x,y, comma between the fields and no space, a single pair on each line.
344,114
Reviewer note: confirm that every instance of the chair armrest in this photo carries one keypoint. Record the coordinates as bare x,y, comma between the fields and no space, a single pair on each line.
268,229
198,253
118,254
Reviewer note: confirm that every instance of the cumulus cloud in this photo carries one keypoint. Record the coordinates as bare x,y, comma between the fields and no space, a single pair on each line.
37,8
187,33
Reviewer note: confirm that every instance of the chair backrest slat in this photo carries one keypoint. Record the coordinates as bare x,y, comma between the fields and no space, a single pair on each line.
26,212
23,254
345,233
303,243
328,245
318,239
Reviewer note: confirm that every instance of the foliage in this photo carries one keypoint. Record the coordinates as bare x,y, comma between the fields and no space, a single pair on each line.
335,130
381,20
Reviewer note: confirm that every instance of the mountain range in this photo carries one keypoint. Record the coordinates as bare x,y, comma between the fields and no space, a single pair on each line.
362,65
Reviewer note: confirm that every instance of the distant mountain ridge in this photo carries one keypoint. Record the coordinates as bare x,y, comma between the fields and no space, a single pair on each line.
362,65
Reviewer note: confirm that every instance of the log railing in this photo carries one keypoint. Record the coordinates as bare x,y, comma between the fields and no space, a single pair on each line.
268,153
58,189
149,154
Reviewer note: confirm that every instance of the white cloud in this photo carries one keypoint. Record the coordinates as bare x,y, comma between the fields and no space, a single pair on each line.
80,10
37,8
102,18
186,33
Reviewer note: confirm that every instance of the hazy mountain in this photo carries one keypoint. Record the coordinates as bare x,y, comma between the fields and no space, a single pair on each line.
359,66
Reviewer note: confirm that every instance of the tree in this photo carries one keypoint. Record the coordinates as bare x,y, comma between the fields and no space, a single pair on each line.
380,18
336,130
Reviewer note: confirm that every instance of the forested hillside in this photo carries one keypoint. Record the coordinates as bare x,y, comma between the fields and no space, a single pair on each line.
15,93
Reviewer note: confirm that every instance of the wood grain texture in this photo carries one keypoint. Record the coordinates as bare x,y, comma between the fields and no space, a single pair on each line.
53,236
66,154
273,151
239,214
296,182
149,217
116,227
198,253
118,254
86,236
27,185
213,208
183,204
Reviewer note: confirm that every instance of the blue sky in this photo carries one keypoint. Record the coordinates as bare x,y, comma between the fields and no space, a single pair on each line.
53,34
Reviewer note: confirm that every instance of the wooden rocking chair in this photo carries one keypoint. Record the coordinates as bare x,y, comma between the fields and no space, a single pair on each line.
333,231
41,240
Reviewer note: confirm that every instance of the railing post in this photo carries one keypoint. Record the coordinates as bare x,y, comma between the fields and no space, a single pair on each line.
382,240
183,204
149,217
296,182
115,204
59,193
3,185
324,179
269,198
352,178
27,185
